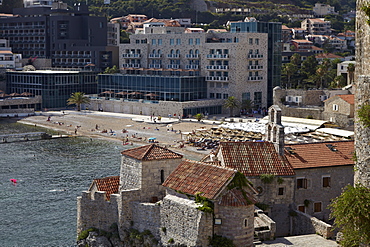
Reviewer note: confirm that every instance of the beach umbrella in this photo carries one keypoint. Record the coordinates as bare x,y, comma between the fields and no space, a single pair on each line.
14,95
107,92
151,94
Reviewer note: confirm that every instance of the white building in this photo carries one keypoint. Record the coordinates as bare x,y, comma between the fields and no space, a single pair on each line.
8,60
323,9
316,26
233,64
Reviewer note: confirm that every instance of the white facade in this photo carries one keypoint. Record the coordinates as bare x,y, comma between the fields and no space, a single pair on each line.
316,26
8,60
234,64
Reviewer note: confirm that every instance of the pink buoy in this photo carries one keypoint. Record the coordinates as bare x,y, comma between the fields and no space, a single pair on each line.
14,181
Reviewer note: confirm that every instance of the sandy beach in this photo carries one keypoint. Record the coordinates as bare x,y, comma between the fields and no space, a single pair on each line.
111,126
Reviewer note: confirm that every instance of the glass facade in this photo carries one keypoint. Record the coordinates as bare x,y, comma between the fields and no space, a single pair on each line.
175,88
273,29
54,86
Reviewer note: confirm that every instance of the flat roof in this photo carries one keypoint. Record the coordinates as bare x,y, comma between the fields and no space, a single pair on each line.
48,72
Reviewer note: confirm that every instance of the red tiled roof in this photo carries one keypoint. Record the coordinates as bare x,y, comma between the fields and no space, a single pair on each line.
327,55
235,198
109,184
151,152
349,98
192,177
320,154
254,158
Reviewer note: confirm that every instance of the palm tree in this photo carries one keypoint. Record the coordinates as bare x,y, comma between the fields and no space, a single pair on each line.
78,98
351,72
289,70
231,103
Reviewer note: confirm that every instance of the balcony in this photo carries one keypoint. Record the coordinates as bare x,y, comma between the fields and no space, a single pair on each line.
173,55
218,56
173,66
192,55
131,55
131,65
155,55
217,67
155,66
255,78
255,56
217,78
191,66
255,67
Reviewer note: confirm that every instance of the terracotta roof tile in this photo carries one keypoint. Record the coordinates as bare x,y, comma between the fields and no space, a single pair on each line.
151,152
192,177
109,184
254,158
349,98
320,154
235,198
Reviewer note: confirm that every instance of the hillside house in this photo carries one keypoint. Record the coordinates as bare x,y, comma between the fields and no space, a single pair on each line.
340,109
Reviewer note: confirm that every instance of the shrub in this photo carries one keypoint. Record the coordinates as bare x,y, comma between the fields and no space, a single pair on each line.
267,178
219,241
84,234
364,115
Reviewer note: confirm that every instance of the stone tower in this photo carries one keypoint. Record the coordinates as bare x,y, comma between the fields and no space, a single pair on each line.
362,93
274,130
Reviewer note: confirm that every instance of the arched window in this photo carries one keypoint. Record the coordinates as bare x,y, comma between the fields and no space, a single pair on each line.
191,52
172,52
177,52
153,51
197,51
159,51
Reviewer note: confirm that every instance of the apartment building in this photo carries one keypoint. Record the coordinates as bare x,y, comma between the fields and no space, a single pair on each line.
70,38
232,64
9,60
316,26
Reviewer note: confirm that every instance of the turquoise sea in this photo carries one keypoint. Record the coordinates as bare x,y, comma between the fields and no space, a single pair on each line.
40,210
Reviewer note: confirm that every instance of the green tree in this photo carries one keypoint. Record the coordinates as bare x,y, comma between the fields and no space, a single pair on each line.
78,98
289,69
351,214
231,103
113,70
199,116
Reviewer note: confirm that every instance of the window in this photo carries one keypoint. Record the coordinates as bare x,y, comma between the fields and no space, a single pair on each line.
218,95
301,208
246,96
159,41
245,222
335,107
326,181
317,207
212,95
162,176
172,41
257,41
225,96
178,41
250,41
137,41
154,41
301,183
190,41
257,98
197,41
281,191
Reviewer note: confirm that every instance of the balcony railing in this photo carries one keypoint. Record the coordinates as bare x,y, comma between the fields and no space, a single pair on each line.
173,66
131,55
131,65
173,55
192,55
155,66
155,55
217,67
255,56
191,66
217,78
255,78
218,56
255,67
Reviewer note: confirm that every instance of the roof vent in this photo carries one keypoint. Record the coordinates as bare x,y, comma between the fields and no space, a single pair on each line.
290,150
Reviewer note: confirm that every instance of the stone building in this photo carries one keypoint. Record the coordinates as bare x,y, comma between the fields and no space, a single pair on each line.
339,109
138,201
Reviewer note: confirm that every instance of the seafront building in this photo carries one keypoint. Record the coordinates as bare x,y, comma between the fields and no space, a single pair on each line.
175,64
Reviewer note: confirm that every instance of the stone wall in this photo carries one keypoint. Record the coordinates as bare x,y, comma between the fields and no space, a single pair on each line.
306,224
237,224
162,108
96,212
184,223
146,216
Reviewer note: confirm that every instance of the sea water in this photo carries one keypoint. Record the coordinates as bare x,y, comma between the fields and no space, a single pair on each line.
40,209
